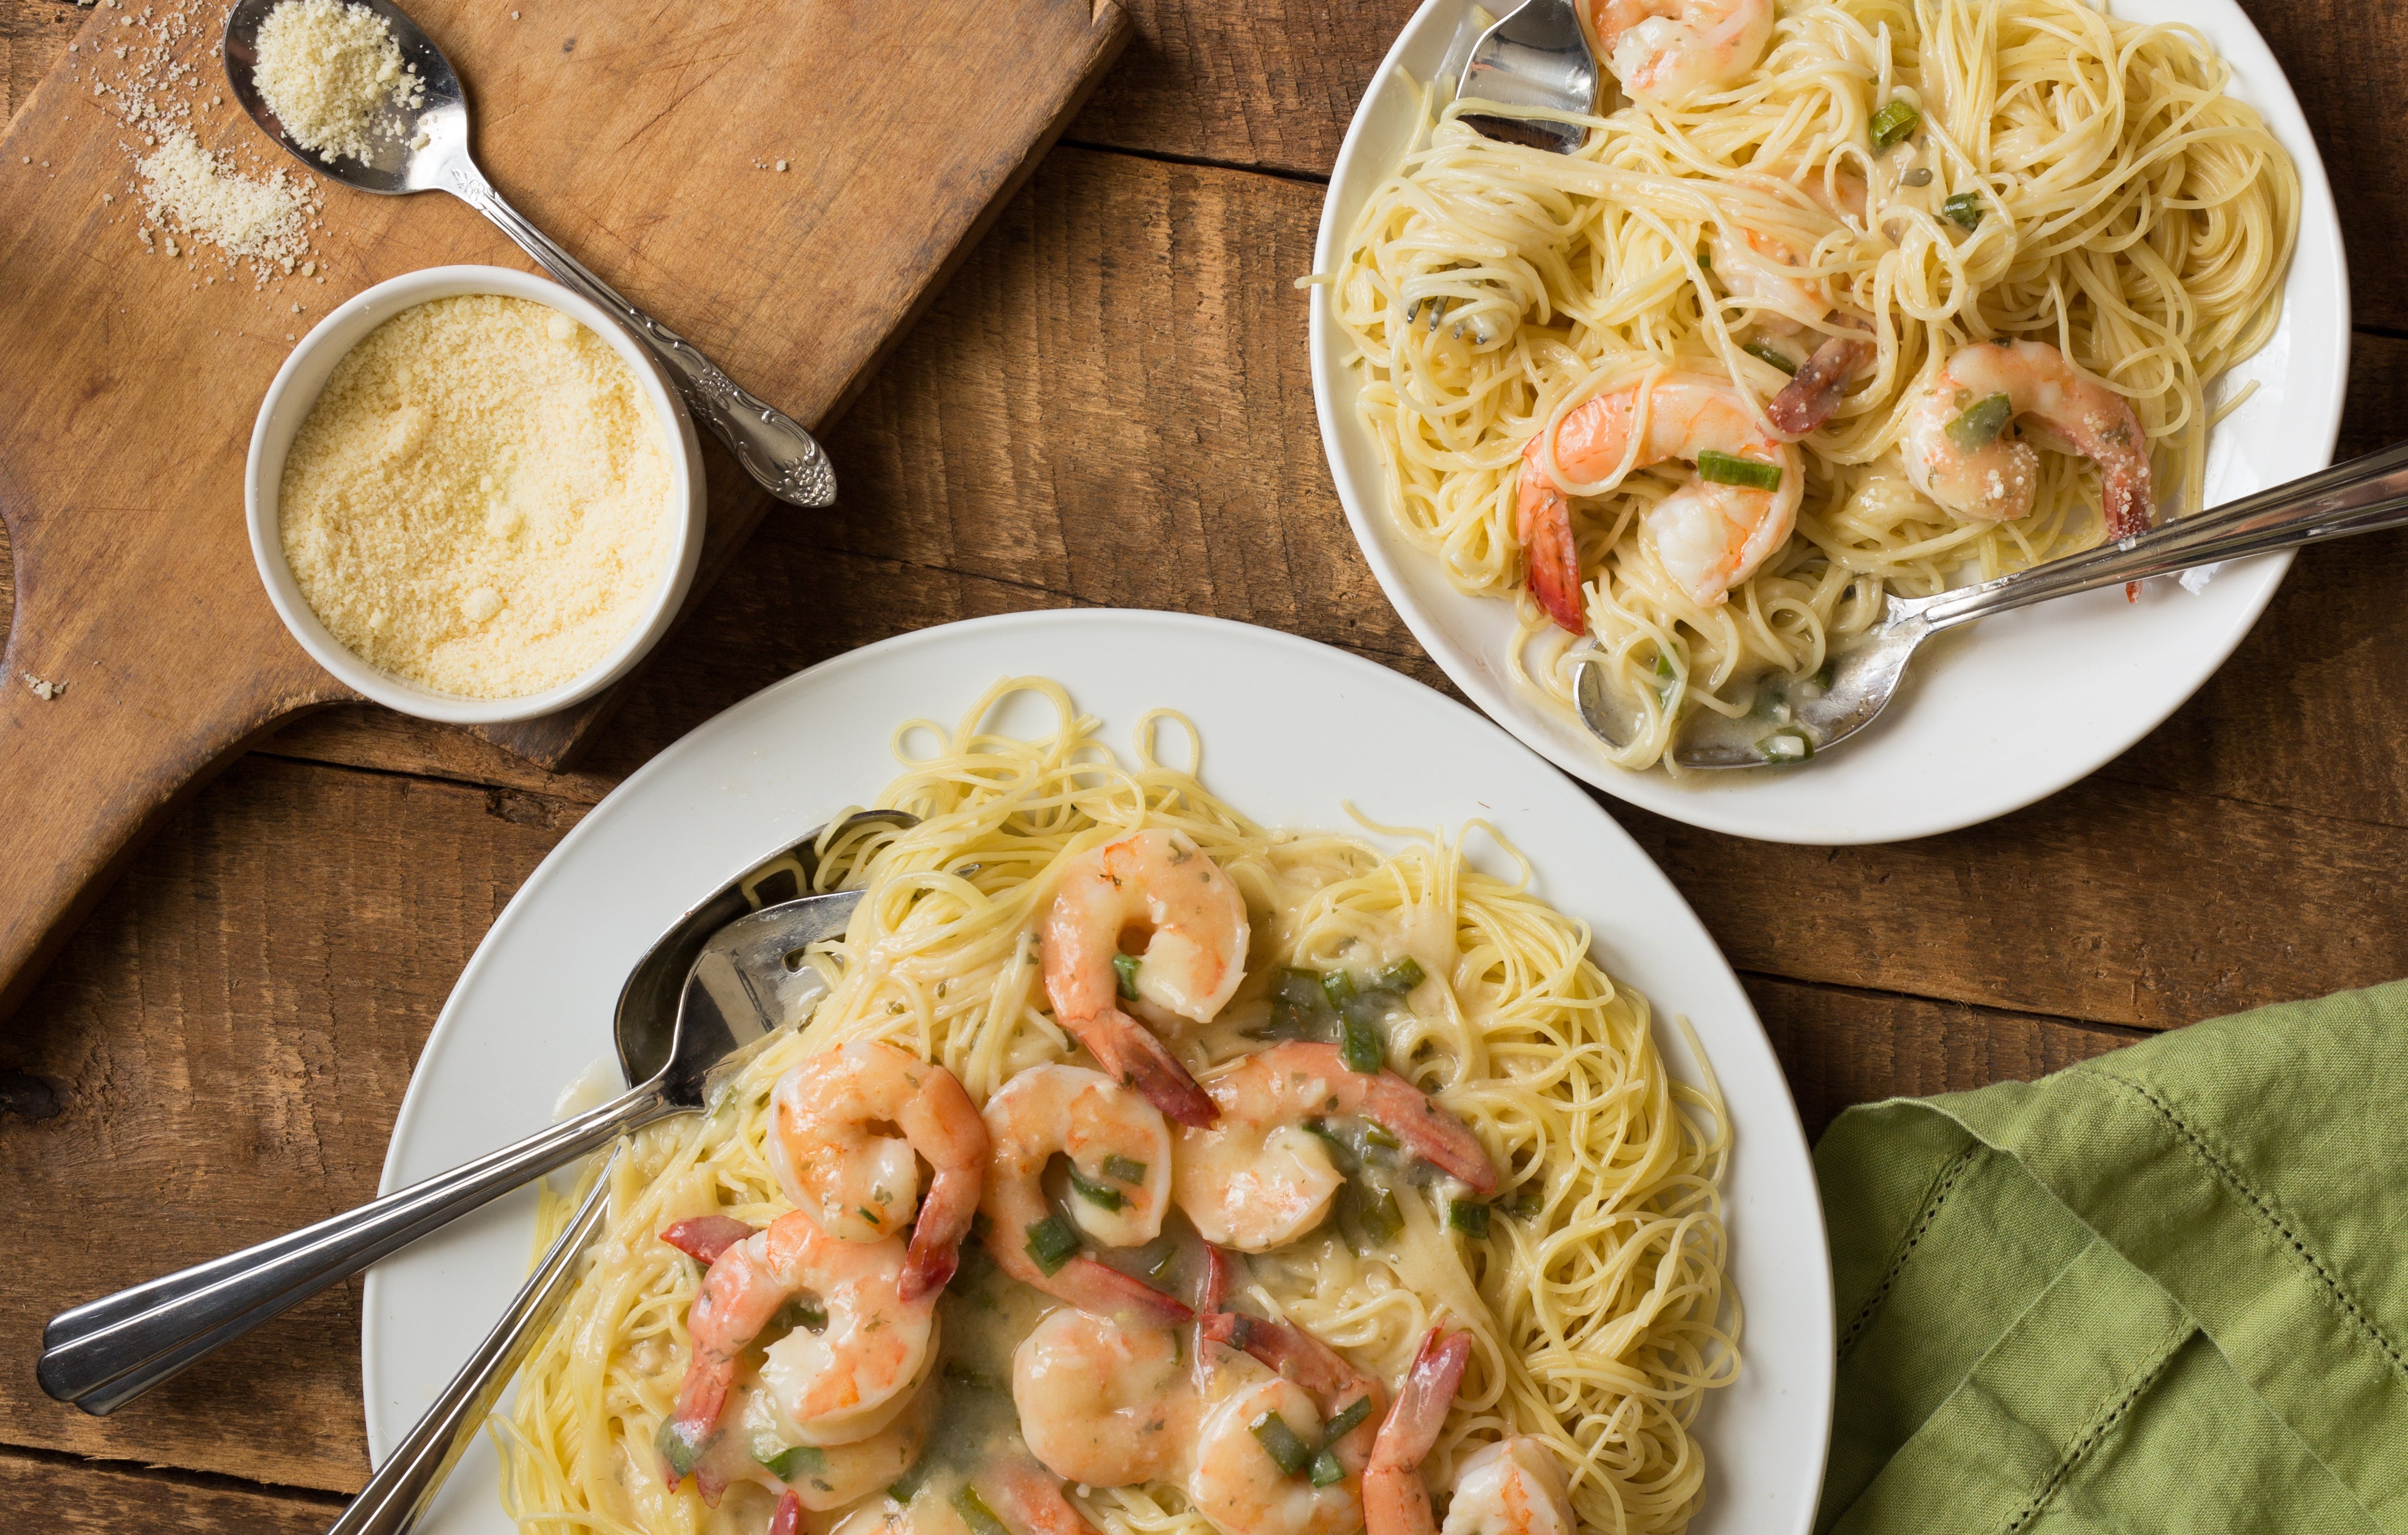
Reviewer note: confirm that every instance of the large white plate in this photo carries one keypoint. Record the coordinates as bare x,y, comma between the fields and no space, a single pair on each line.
1992,719
1291,730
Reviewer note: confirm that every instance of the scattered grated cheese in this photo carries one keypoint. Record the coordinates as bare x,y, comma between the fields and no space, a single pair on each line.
193,192
327,71
479,501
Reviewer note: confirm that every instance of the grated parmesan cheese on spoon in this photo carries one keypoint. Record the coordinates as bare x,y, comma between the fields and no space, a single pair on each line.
327,69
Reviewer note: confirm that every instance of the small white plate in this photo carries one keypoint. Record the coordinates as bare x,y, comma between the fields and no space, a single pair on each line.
1991,720
293,394
1292,732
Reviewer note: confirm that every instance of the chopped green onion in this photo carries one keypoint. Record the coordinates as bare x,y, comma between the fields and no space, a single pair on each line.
1346,1421
1522,1204
1764,352
1785,746
1122,1170
975,1513
1342,1156
1662,667
801,1460
1894,123
1338,987
1706,259
1382,1219
1823,677
1052,1244
1729,470
907,1486
1400,977
1095,1194
1326,1470
1377,1134
1965,208
1125,966
1280,1442
1979,424
678,1451
1468,1218
1359,1044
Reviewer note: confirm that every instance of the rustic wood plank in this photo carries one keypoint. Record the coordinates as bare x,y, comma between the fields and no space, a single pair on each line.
74,1497
1841,1046
33,34
217,1058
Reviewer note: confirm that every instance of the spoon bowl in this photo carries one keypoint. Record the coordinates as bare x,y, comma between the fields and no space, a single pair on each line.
1538,59
408,145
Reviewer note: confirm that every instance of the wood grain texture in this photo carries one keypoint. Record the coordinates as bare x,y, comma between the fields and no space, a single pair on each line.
133,574
65,1497
217,1058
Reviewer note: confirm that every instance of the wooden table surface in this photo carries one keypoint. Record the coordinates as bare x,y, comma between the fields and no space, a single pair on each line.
1110,406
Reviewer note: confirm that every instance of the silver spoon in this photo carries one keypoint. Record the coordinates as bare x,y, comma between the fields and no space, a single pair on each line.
423,148
1796,720
1536,58
714,986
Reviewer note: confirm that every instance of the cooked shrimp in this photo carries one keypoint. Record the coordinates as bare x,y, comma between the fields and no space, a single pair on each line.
1959,451
1514,1487
1024,1497
1759,267
1672,50
859,1184
1236,1482
1809,398
819,1477
1258,1179
843,1375
1157,887
1117,1144
1708,542
1103,1401
1394,1501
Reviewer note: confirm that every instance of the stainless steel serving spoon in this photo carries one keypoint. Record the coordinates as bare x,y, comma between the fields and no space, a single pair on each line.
1538,59
1794,722
714,985
426,147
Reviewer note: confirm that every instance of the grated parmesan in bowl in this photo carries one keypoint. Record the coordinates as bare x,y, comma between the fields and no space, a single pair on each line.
473,496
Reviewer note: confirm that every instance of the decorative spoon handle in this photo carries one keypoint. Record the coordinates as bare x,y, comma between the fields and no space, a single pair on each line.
410,1476
773,447
2363,496
104,1352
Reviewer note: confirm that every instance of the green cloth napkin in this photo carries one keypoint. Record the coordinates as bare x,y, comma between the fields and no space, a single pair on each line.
2166,1290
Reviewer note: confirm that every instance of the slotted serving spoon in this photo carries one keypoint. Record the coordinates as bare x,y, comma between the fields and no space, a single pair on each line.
426,147
1795,720
714,985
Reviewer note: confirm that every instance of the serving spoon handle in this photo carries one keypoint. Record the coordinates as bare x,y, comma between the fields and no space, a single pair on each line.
2364,495
105,1353
772,446
402,1488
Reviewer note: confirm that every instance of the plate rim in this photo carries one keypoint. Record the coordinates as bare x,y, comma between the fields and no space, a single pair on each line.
1778,1122
1709,809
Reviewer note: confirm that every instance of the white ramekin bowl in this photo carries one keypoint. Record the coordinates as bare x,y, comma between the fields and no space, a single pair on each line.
295,390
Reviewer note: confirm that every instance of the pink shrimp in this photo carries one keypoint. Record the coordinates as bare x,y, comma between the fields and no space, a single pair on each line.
840,1382
1514,1487
1671,50
1158,885
1710,537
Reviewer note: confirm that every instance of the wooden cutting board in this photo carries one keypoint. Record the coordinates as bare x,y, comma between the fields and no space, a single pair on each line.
643,138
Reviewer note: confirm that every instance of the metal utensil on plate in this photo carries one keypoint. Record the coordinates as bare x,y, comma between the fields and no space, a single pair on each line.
426,147
1536,58
402,1488
714,984
1801,720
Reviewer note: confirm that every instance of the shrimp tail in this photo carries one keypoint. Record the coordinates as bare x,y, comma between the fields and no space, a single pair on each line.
942,1115
1814,393
703,1238
1543,520
788,1519
1103,1290
2126,511
1394,1501
1128,1051
1028,1500
1219,1271
691,1428
1289,1350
